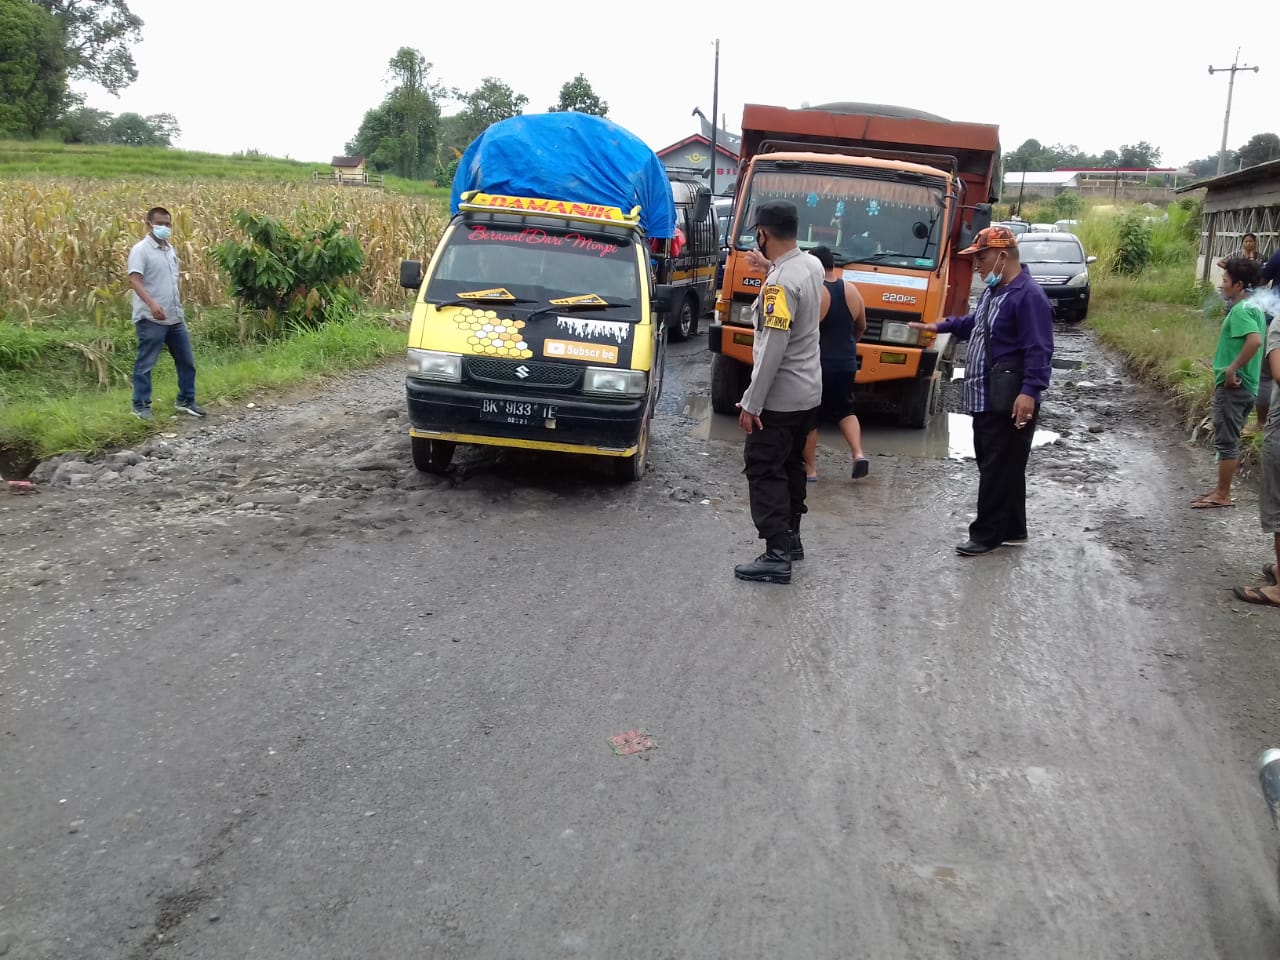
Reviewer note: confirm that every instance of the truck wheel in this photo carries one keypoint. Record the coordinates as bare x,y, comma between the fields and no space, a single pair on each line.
630,469
686,324
729,380
432,456
920,400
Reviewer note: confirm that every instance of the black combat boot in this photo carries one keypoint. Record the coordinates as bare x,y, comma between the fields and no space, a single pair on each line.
772,566
797,548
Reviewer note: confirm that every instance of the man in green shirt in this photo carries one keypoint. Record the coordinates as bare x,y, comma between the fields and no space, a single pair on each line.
1236,367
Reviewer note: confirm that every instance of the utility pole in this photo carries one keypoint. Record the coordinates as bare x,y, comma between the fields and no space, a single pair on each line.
1226,120
715,114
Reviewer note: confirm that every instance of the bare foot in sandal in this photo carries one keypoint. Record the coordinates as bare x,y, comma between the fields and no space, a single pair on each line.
1264,596
1210,502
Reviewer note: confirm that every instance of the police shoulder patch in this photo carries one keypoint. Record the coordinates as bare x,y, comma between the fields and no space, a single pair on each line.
777,313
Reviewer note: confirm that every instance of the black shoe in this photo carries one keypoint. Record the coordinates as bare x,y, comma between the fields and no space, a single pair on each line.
797,547
192,408
971,548
772,566
1021,538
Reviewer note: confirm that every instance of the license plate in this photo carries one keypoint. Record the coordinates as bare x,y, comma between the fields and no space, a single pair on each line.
517,412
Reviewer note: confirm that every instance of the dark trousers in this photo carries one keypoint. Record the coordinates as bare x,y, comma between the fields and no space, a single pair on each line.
774,459
1002,450
152,338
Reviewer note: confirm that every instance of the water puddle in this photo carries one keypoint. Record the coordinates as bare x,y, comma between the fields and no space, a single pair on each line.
948,436
1058,363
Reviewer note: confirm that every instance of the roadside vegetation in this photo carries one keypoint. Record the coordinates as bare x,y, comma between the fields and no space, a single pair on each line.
66,338
49,159
65,384
1147,303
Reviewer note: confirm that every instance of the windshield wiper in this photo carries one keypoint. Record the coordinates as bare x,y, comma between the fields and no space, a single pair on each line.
470,300
883,254
556,308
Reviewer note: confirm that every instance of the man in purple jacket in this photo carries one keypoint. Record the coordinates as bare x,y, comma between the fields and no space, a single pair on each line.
1010,336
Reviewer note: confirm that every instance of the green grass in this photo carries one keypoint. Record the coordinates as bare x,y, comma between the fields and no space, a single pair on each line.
67,387
1166,326
37,158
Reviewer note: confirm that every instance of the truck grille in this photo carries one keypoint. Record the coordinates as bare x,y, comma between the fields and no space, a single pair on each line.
877,318
522,373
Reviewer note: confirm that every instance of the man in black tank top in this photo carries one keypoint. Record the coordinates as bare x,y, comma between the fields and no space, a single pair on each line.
842,321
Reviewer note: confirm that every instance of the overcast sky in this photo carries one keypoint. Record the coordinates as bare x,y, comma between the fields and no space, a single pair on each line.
291,78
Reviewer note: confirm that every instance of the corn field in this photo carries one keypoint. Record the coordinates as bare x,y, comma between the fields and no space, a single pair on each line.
64,244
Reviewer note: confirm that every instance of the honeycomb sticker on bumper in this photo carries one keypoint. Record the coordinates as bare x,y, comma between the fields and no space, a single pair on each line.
493,336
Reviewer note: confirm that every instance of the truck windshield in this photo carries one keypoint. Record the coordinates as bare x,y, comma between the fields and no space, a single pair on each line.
535,263
859,219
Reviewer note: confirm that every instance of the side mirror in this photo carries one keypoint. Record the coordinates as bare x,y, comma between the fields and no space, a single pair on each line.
980,221
701,206
1090,259
981,217
663,296
411,274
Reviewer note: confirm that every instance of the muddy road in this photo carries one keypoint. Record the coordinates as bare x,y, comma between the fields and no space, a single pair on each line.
265,691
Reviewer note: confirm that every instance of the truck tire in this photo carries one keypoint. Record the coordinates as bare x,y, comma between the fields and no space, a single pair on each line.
432,456
921,399
685,323
729,381
631,469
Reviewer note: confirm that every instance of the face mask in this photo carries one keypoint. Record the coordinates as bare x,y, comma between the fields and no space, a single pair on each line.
162,233
992,278
760,242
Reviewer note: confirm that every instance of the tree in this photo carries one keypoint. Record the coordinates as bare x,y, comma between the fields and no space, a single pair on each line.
1140,155
33,69
165,128
135,130
305,278
85,125
577,95
489,103
97,34
1260,148
1109,160
1033,156
1208,166
400,134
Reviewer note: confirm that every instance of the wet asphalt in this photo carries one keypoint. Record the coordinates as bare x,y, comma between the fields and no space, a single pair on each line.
280,696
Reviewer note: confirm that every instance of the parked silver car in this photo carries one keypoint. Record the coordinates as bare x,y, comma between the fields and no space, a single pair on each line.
1059,264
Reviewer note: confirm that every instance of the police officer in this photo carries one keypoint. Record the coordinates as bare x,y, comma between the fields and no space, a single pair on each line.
780,406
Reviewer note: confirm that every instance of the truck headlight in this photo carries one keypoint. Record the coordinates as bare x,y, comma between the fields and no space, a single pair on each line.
1079,280
625,383
434,365
742,314
895,332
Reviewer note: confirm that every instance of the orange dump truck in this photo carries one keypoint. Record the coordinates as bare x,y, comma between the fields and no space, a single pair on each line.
894,194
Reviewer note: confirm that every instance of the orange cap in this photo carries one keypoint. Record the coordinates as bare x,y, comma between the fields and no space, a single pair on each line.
992,237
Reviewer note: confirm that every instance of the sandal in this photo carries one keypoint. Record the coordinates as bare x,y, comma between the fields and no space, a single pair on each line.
1254,595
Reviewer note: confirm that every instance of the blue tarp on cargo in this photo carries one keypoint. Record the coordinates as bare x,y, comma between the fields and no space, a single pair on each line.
569,156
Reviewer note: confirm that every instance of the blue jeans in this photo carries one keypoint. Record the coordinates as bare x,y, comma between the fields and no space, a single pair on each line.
152,338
